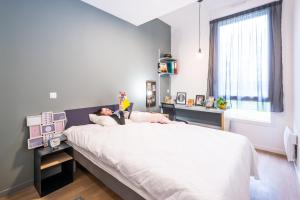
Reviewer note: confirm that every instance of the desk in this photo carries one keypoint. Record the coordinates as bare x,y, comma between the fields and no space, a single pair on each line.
209,117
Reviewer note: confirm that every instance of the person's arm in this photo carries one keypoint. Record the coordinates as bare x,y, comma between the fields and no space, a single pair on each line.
120,120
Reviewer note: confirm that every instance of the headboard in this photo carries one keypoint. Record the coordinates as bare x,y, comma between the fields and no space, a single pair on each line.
80,116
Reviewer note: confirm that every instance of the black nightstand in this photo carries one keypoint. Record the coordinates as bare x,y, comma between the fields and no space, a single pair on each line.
53,169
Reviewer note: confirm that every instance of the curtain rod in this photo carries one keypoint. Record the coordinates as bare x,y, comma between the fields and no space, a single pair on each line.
247,11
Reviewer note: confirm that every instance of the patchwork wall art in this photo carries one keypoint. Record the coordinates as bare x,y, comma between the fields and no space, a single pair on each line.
44,127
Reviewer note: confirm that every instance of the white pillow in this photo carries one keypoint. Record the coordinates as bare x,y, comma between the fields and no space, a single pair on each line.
137,116
103,120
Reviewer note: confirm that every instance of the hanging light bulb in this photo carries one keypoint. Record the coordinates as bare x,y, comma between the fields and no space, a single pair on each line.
199,53
199,33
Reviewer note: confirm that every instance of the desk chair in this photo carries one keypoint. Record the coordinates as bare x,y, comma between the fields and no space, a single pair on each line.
171,111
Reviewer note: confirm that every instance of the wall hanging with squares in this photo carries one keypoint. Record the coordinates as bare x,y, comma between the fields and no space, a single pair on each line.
44,127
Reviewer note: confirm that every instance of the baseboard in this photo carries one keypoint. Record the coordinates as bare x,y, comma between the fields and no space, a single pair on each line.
15,188
269,149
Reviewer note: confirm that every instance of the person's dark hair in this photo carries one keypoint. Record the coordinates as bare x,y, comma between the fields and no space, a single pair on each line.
98,112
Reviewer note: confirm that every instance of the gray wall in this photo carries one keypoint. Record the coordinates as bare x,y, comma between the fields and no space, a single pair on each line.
296,76
165,87
66,46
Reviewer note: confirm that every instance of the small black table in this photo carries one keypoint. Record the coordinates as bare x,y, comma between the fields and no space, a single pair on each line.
53,169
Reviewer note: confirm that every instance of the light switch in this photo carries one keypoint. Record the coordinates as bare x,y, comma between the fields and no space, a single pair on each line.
53,95
168,91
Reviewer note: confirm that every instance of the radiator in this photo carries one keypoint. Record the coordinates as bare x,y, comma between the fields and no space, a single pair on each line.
290,144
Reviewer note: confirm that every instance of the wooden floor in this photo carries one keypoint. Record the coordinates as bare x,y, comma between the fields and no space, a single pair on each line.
278,181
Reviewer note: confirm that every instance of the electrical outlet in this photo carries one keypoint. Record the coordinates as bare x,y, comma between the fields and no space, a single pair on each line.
53,95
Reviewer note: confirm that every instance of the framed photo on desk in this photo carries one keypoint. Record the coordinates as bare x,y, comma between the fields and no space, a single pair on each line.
181,98
200,100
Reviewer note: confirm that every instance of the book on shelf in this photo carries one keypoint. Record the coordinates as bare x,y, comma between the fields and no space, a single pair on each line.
168,67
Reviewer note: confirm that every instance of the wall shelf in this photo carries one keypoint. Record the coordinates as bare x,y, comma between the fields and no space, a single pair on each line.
165,74
167,59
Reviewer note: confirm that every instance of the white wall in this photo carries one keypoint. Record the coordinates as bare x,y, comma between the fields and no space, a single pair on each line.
297,75
192,76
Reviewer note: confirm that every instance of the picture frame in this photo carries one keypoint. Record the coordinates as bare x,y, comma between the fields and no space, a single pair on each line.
200,100
59,126
211,98
46,138
47,118
34,120
181,98
61,116
35,142
210,102
35,131
150,94
48,128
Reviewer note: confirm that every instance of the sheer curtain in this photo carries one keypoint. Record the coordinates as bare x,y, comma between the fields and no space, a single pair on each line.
243,66
243,59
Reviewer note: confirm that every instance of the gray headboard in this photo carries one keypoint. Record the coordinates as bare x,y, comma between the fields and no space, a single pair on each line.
80,116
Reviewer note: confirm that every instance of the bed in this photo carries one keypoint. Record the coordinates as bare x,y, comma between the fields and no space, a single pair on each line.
163,161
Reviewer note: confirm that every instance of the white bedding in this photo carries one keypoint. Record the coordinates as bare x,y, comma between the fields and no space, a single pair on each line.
174,161
110,170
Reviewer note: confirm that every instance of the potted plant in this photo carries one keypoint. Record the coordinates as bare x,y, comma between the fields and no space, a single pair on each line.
221,103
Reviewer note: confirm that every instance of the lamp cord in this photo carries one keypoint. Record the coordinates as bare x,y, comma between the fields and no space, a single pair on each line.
199,33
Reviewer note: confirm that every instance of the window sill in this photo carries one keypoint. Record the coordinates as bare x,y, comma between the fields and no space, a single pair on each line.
250,117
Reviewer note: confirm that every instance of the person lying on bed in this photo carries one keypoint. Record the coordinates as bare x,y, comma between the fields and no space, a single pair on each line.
118,115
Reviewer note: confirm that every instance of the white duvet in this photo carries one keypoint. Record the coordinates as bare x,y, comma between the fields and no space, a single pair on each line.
174,161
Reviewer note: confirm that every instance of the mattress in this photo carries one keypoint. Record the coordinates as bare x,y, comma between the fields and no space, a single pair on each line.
110,171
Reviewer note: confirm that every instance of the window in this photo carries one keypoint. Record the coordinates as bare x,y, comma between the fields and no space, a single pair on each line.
243,60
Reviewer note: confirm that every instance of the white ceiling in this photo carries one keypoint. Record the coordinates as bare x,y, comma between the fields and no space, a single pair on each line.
138,12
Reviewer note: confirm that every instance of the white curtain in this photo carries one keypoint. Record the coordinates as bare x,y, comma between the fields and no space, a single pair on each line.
243,60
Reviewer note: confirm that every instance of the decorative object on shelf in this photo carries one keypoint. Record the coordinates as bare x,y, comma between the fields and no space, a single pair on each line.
167,64
44,127
54,142
168,99
167,55
199,26
150,94
190,102
210,102
221,103
163,68
181,98
200,100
